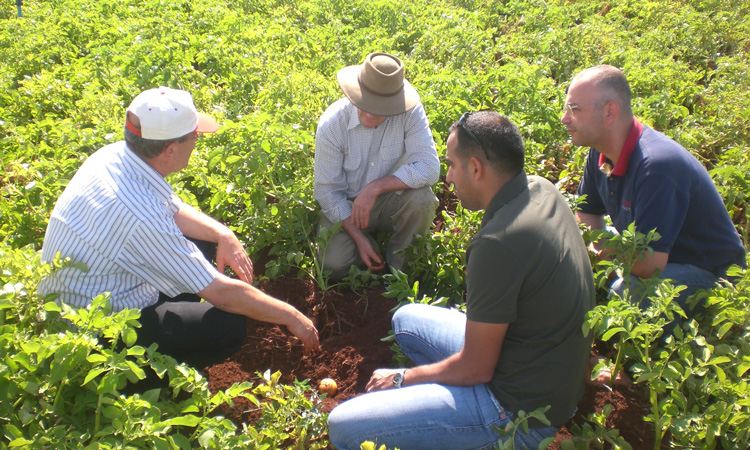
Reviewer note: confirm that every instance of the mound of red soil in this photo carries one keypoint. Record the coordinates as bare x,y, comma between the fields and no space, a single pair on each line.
351,327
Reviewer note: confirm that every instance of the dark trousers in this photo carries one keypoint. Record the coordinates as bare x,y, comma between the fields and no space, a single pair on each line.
191,331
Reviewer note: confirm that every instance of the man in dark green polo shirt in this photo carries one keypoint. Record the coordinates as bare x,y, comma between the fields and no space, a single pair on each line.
519,346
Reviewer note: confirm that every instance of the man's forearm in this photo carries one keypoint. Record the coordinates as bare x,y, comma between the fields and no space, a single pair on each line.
474,364
386,184
365,201
355,233
646,267
451,371
241,298
197,225
594,221
244,299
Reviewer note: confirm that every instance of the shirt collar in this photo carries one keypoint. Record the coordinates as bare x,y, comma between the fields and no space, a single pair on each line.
507,193
149,174
353,117
621,168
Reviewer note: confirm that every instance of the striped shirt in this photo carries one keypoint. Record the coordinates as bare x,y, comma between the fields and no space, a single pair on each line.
348,156
117,217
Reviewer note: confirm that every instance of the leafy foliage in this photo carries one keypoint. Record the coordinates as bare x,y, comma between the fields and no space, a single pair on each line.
266,69
697,375
594,434
66,376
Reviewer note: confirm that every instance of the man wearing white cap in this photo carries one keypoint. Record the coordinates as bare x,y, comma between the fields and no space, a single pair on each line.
121,219
375,161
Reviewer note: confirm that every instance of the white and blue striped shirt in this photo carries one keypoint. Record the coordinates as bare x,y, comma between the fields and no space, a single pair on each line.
117,217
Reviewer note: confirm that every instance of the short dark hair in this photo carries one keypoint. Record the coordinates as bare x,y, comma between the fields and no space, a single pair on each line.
501,139
148,148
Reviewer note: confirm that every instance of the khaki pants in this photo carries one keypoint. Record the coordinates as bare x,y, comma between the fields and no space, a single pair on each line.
404,213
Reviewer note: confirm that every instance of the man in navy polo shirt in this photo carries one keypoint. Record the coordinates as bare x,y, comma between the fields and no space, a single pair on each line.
636,174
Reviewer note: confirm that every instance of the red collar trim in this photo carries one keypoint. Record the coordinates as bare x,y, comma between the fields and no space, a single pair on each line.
621,167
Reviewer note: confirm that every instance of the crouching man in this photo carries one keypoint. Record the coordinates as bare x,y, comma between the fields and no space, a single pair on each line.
119,217
519,346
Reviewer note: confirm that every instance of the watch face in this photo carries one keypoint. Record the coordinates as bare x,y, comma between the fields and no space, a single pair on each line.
398,378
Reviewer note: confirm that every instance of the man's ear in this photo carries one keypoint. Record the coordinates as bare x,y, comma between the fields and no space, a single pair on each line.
169,149
167,154
476,168
611,111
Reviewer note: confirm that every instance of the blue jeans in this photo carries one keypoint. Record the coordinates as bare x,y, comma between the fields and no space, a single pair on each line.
427,416
694,278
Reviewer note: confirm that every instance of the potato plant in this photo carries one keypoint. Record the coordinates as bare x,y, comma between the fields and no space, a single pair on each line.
266,70
67,380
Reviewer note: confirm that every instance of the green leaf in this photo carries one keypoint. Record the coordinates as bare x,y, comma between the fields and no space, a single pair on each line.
720,374
206,437
186,421
545,443
20,442
718,360
611,332
129,336
643,377
742,368
182,442
93,373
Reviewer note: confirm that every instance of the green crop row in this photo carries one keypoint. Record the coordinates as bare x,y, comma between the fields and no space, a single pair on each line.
266,70
67,378
696,377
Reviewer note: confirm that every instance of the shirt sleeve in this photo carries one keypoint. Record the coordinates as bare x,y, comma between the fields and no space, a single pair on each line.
494,276
329,178
421,165
593,203
167,260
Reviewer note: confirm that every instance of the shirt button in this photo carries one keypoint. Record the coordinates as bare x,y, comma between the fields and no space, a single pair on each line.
372,164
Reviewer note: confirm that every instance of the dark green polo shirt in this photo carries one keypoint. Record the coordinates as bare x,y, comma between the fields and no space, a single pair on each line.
528,267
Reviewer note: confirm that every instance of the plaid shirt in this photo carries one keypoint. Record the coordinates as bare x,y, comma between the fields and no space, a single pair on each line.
349,156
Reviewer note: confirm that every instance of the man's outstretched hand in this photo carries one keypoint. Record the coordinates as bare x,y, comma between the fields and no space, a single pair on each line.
229,252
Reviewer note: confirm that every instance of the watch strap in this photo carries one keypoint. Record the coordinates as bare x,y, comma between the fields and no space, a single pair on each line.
398,379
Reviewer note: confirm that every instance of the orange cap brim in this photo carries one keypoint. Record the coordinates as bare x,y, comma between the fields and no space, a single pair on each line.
206,124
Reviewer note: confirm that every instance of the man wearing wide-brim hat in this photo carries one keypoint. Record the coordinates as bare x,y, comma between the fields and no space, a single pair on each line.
119,217
375,161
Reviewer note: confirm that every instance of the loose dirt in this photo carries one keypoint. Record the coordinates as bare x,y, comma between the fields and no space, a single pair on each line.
351,326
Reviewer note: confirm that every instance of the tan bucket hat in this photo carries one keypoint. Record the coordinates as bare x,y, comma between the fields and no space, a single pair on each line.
378,86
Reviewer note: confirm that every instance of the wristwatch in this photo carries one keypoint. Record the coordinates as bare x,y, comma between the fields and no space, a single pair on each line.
398,378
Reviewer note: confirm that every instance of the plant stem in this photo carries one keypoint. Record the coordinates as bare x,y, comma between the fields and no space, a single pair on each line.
618,362
59,391
97,416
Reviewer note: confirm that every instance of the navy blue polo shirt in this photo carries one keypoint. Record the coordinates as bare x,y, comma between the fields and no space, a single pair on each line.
658,184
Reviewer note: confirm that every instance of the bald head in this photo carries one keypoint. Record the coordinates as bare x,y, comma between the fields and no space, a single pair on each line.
610,84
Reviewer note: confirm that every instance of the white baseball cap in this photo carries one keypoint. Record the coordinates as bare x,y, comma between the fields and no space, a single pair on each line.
166,113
